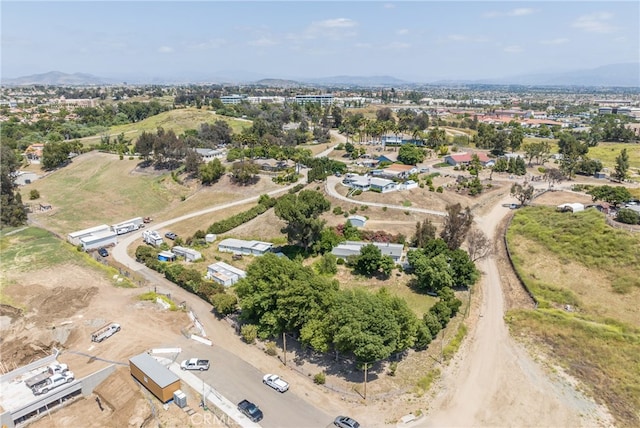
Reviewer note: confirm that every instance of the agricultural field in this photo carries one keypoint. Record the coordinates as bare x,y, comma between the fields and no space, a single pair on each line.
179,120
584,275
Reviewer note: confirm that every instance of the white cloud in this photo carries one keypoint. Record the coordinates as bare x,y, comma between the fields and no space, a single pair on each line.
208,44
402,32
396,46
165,49
556,41
463,38
262,41
595,23
513,49
336,29
521,11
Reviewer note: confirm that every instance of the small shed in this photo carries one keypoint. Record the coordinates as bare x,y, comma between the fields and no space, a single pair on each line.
357,220
154,376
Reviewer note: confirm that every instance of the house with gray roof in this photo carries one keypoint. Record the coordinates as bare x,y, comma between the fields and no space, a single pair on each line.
240,246
352,248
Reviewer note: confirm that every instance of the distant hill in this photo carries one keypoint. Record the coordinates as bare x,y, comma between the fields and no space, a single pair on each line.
58,78
361,81
627,75
280,83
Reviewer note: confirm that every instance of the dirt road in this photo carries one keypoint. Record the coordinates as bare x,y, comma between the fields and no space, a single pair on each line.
493,381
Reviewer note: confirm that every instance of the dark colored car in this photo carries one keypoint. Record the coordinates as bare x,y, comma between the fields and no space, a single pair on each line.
250,410
346,422
171,235
103,252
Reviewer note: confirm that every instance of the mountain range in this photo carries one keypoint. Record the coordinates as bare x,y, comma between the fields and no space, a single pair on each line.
613,75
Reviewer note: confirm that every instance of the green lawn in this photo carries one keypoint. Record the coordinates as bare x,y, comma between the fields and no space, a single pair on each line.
608,152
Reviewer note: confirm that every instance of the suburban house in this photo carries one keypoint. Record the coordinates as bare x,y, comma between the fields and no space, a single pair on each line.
240,246
208,155
189,254
382,185
388,157
358,182
275,164
224,273
33,153
465,159
399,171
407,185
357,220
352,248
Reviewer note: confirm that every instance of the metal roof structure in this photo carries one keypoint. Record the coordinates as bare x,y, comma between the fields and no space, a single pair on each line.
161,375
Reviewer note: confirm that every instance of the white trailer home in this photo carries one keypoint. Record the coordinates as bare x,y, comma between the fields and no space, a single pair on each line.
128,226
189,254
152,237
224,273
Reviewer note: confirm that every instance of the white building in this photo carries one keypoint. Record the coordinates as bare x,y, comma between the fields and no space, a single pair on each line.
189,254
75,237
240,246
323,99
224,273
352,248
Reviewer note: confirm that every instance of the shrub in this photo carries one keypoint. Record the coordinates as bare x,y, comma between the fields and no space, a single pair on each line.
439,189
628,216
270,348
34,194
393,366
337,210
249,333
319,378
224,303
340,261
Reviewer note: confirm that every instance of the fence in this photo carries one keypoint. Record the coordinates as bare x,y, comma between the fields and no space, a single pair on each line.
626,227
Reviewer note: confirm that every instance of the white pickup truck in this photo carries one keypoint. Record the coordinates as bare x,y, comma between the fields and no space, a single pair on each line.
195,364
52,382
46,374
105,332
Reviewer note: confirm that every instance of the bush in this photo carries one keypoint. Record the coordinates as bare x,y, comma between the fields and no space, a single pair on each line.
439,189
393,366
628,216
34,194
337,210
319,378
270,348
224,304
249,333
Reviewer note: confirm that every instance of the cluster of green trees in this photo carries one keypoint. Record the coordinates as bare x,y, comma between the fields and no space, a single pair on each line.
280,295
12,210
514,166
404,121
57,154
118,114
320,168
264,203
611,127
499,139
436,266
615,195
410,154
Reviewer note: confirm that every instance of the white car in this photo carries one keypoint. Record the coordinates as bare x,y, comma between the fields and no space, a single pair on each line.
275,382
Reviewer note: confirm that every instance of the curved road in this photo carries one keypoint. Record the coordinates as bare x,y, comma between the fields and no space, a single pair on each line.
496,383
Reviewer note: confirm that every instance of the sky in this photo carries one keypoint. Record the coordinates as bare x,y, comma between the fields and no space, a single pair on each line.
420,41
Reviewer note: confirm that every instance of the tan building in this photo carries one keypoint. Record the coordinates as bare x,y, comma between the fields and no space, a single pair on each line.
154,376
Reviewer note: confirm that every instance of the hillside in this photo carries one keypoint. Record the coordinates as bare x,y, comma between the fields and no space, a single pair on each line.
179,120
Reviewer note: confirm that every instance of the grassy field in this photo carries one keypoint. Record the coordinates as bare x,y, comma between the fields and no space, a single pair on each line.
607,153
577,260
179,120
31,249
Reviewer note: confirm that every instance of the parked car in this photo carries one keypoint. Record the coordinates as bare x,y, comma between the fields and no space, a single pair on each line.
346,422
103,252
250,410
195,364
275,382
171,235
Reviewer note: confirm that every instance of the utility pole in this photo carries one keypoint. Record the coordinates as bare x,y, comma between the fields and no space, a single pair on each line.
284,346
365,381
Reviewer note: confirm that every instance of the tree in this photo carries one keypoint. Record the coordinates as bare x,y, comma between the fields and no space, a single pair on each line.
192,161
211,172
432,273
371,261
572,152
456,225
627,216
516,137
479,245
522,192
425,232
301,212
224,304
622,166
553,175
144,144
410,154
613,195
327,264
55,155
12,210
244,172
